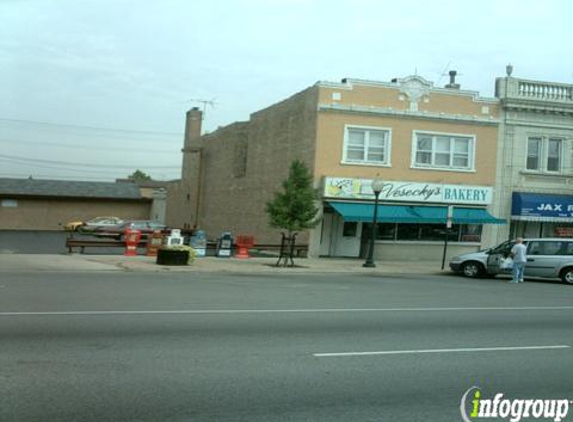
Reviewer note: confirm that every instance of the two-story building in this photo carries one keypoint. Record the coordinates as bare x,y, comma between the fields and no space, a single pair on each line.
535,158
433,147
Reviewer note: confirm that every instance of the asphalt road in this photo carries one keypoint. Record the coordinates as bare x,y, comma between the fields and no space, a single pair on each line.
185,347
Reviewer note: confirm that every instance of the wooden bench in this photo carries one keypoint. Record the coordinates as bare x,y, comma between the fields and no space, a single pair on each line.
299,250
71,243
82,244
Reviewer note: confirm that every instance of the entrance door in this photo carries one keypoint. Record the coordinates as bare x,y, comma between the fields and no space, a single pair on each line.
326,235
348,239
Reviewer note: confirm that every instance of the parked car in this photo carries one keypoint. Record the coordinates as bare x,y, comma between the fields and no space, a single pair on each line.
91,225
117,232
472,264
546,258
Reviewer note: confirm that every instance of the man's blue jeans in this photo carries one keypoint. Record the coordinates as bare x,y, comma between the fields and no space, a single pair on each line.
518,268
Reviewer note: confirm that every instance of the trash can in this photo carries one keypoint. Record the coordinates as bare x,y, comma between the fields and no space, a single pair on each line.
199,242
224,245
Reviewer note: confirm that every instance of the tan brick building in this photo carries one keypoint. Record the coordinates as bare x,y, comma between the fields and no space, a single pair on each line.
29,204
432,146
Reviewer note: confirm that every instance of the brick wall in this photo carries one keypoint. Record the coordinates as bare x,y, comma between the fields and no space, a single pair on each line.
53,214
243,164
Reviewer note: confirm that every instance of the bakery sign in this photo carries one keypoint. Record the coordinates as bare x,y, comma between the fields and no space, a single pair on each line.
392,190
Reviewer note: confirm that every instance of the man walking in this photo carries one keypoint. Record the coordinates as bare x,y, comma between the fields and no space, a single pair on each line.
518,253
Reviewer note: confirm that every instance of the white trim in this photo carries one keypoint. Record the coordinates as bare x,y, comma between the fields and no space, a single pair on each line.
387,147
279,311
365,164
558,126
460,350
542,219
471,154
363,82
443,169
428,242
388,111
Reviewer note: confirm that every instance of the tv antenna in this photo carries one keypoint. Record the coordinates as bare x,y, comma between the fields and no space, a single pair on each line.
205,103
443,73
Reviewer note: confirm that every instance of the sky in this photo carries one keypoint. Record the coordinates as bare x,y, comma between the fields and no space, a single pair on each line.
95,89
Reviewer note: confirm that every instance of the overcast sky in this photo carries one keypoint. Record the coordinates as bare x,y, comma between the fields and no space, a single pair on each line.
135,65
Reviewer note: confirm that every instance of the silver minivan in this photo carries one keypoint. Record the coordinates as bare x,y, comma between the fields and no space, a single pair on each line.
546,258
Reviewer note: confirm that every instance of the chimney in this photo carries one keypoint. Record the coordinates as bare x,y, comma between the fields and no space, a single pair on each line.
193,123
453,84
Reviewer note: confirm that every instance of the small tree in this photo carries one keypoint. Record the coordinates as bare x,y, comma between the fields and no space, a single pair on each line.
139,176
293,209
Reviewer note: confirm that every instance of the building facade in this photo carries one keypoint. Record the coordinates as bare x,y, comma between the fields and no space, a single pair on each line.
433,148
535,165
30,204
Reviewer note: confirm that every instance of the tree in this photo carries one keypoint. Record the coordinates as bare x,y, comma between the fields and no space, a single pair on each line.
139,176
293,209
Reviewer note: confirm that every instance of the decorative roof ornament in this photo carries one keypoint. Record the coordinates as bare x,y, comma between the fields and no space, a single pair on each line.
415,87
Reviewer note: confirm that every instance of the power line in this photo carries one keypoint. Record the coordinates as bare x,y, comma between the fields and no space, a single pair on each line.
43,166
91,128
53,177
68,163
95,147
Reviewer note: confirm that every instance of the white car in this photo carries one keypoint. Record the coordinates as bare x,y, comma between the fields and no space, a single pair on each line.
471,264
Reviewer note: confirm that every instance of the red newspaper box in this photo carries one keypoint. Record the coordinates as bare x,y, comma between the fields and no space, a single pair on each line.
132,238
244,243
154,242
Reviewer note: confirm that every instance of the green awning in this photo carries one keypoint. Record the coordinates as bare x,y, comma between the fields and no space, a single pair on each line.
364,212
437,215
475,216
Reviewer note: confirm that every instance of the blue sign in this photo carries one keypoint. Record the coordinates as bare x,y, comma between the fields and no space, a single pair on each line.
541,205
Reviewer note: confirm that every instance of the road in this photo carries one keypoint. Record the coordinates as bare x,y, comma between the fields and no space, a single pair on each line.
213,347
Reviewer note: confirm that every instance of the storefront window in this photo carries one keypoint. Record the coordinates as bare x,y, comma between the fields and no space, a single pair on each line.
540,229
385,231
427,232
409,231
424,232
470,233
349,229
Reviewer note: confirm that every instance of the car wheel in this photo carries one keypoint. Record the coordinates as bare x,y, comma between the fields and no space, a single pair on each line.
472,269
567,275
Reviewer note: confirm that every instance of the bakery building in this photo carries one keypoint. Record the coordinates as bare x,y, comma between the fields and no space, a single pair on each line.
410,216
435,149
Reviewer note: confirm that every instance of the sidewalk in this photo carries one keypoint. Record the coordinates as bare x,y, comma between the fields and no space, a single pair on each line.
97,263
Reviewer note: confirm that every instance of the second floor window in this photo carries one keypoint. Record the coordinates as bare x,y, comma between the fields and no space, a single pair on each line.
367,146
450,152
543,154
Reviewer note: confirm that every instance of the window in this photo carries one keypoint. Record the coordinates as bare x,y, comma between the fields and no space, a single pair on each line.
349,229
427,232
533,153
10,203
554,155
367,146
549,248
544,154
423,232
443,151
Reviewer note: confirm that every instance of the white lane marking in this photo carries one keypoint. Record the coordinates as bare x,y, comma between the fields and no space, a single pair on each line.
409,352
281,311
